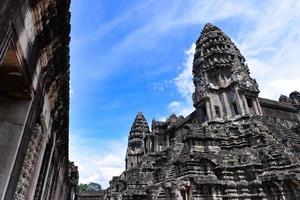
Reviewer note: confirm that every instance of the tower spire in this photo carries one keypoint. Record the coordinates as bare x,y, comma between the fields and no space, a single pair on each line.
223,86
135,149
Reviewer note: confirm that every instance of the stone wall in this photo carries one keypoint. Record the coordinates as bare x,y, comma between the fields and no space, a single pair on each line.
285,113
91,195
34,96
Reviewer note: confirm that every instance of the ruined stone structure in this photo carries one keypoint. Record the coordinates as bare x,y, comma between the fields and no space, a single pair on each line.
34,101
235,145
91,195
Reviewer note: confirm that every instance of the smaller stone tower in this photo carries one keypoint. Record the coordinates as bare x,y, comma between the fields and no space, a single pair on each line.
223,86
135,149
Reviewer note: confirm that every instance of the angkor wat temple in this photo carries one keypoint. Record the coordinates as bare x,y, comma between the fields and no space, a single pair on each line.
235,145
34,101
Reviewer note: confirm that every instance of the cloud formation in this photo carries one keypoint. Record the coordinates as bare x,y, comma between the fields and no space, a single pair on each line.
271,47
267,33
184,85
98,160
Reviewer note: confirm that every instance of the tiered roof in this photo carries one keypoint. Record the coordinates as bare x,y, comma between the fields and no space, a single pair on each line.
215,50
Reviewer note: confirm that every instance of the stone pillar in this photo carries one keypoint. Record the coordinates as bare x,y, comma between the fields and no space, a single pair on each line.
258,106
227,105
255,106
240,103
28,169
155,143
246,105
47,179
167,141
208,110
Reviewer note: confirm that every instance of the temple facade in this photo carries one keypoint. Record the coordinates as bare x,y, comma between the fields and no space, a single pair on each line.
34,101
235,145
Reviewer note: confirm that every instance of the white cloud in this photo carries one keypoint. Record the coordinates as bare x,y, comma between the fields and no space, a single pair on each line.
184,85
162,85
271,47
280,86
184,81
164,17
162,118
98,160
270,44
258,68
174,105
272,25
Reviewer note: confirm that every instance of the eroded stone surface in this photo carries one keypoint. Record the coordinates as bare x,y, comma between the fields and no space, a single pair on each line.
34,101
233,146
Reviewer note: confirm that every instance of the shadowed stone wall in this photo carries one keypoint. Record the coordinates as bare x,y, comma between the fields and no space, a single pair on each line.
13,115
34,101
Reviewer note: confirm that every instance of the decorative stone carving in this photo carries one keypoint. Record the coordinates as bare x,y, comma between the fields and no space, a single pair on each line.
135,150
238,152
295,97
31,157
284,99
34,63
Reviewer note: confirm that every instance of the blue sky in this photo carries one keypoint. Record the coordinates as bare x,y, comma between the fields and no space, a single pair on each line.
131,56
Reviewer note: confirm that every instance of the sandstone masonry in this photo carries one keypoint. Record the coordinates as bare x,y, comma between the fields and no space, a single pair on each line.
235,145
34,101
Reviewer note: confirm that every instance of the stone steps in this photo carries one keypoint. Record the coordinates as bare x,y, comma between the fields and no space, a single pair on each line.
170,173
162,195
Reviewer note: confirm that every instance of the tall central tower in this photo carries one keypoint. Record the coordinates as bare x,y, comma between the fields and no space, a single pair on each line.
223,86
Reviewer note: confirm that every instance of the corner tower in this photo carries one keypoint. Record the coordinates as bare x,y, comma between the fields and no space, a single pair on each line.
223,86
135,149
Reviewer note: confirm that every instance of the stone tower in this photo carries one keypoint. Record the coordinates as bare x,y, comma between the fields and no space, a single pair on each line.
135,149
235,145
223,86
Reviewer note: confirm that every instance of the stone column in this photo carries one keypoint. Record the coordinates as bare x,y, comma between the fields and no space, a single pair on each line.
240,103
167,141
227,106
155,144
258,106
255,106
246,105
28,169
208,110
